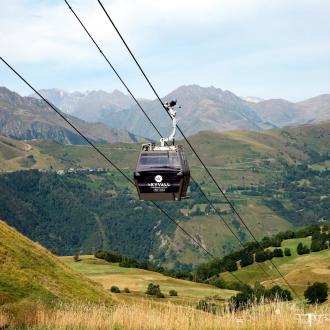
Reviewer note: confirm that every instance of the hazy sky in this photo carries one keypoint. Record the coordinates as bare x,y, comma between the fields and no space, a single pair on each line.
265,48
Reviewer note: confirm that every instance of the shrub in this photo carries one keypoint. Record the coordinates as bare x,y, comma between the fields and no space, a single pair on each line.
276,292
302,249
154,290
316,293
76,257
287,252
126,290
173,293
240,301
108,256
204,306
115,289
217,281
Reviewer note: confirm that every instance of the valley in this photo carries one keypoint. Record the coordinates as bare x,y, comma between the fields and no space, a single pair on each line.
262,173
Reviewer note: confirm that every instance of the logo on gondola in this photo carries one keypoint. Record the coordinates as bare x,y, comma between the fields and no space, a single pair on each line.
158,178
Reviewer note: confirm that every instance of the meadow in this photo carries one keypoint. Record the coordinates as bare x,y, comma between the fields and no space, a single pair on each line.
137,280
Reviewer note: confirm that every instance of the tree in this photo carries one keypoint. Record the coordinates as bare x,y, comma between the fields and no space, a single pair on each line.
316,293
278,253
287,252
230,265
302,249
154,290
246,259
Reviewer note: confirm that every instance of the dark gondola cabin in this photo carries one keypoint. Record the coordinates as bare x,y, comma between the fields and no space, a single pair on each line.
162,173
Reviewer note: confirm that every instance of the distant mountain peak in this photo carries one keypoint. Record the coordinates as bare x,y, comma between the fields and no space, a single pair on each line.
252,99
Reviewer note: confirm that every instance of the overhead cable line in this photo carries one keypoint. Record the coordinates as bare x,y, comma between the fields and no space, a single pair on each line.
97,149
190,145
122,81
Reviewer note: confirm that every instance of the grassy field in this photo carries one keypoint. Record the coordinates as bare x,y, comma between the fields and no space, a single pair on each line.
149,315
137,280
299,270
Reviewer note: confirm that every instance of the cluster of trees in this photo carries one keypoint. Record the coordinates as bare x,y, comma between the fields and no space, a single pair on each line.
249,297
125,261
253,296
321,239
261,256
253,252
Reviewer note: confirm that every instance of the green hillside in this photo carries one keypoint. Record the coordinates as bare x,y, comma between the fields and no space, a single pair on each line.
230,155
276,178
299,270
29,272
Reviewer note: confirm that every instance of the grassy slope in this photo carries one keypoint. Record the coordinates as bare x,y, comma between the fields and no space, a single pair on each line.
29,271
213,233
137,280
298,270
16,155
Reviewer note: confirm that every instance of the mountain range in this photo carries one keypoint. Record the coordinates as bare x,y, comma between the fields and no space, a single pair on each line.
28,118
203,108
113,117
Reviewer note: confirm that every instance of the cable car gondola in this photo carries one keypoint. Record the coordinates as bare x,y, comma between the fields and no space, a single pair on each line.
162,172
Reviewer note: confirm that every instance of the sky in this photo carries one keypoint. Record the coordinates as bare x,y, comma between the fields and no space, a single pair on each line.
262,48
